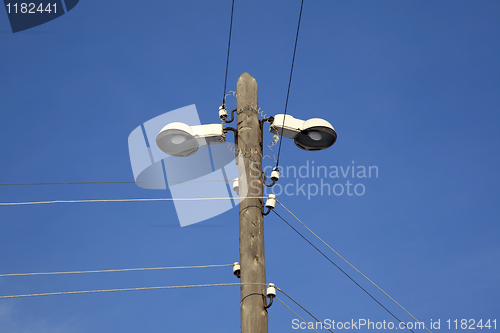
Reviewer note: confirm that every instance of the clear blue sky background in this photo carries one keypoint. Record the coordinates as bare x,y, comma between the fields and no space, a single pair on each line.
411,87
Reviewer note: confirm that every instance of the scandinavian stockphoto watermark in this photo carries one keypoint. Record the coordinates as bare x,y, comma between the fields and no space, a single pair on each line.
310,179
360,324
367,324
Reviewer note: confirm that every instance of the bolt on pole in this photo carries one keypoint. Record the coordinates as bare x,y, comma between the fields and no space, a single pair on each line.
253,271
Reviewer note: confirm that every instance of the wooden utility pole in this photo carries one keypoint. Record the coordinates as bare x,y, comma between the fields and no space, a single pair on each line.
253,270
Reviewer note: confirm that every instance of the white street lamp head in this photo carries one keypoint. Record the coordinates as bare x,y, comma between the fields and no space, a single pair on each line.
177,139
313,134
181,140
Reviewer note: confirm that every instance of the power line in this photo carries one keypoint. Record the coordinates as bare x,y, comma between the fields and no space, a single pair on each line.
294,313
345,273
309,313
126,289
113,270
290,80
114,200
228,49
114,182
357,270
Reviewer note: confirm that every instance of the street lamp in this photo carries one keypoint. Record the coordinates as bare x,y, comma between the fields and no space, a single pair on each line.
179,139
312,134
182,140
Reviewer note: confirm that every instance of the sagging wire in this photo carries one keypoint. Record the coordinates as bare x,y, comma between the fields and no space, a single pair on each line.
230,93
275,172
276,138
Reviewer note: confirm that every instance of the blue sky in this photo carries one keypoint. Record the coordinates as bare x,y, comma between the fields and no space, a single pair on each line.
411,87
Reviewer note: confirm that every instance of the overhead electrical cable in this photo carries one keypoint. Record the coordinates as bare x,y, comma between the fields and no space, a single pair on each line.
228,49
116,182
290,79
345,273
114,200
303,308
113,270
128,289
294,313
357,270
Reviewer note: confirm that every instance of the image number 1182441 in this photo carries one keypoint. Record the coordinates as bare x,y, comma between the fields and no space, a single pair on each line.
26,15
31,8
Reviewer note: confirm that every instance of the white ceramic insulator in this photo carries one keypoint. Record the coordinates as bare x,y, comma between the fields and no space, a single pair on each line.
271,290
222,112
271,201
236,267
275,174
236,186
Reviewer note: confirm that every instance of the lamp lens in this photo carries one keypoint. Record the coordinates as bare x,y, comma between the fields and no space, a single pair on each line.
315,135
178,139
